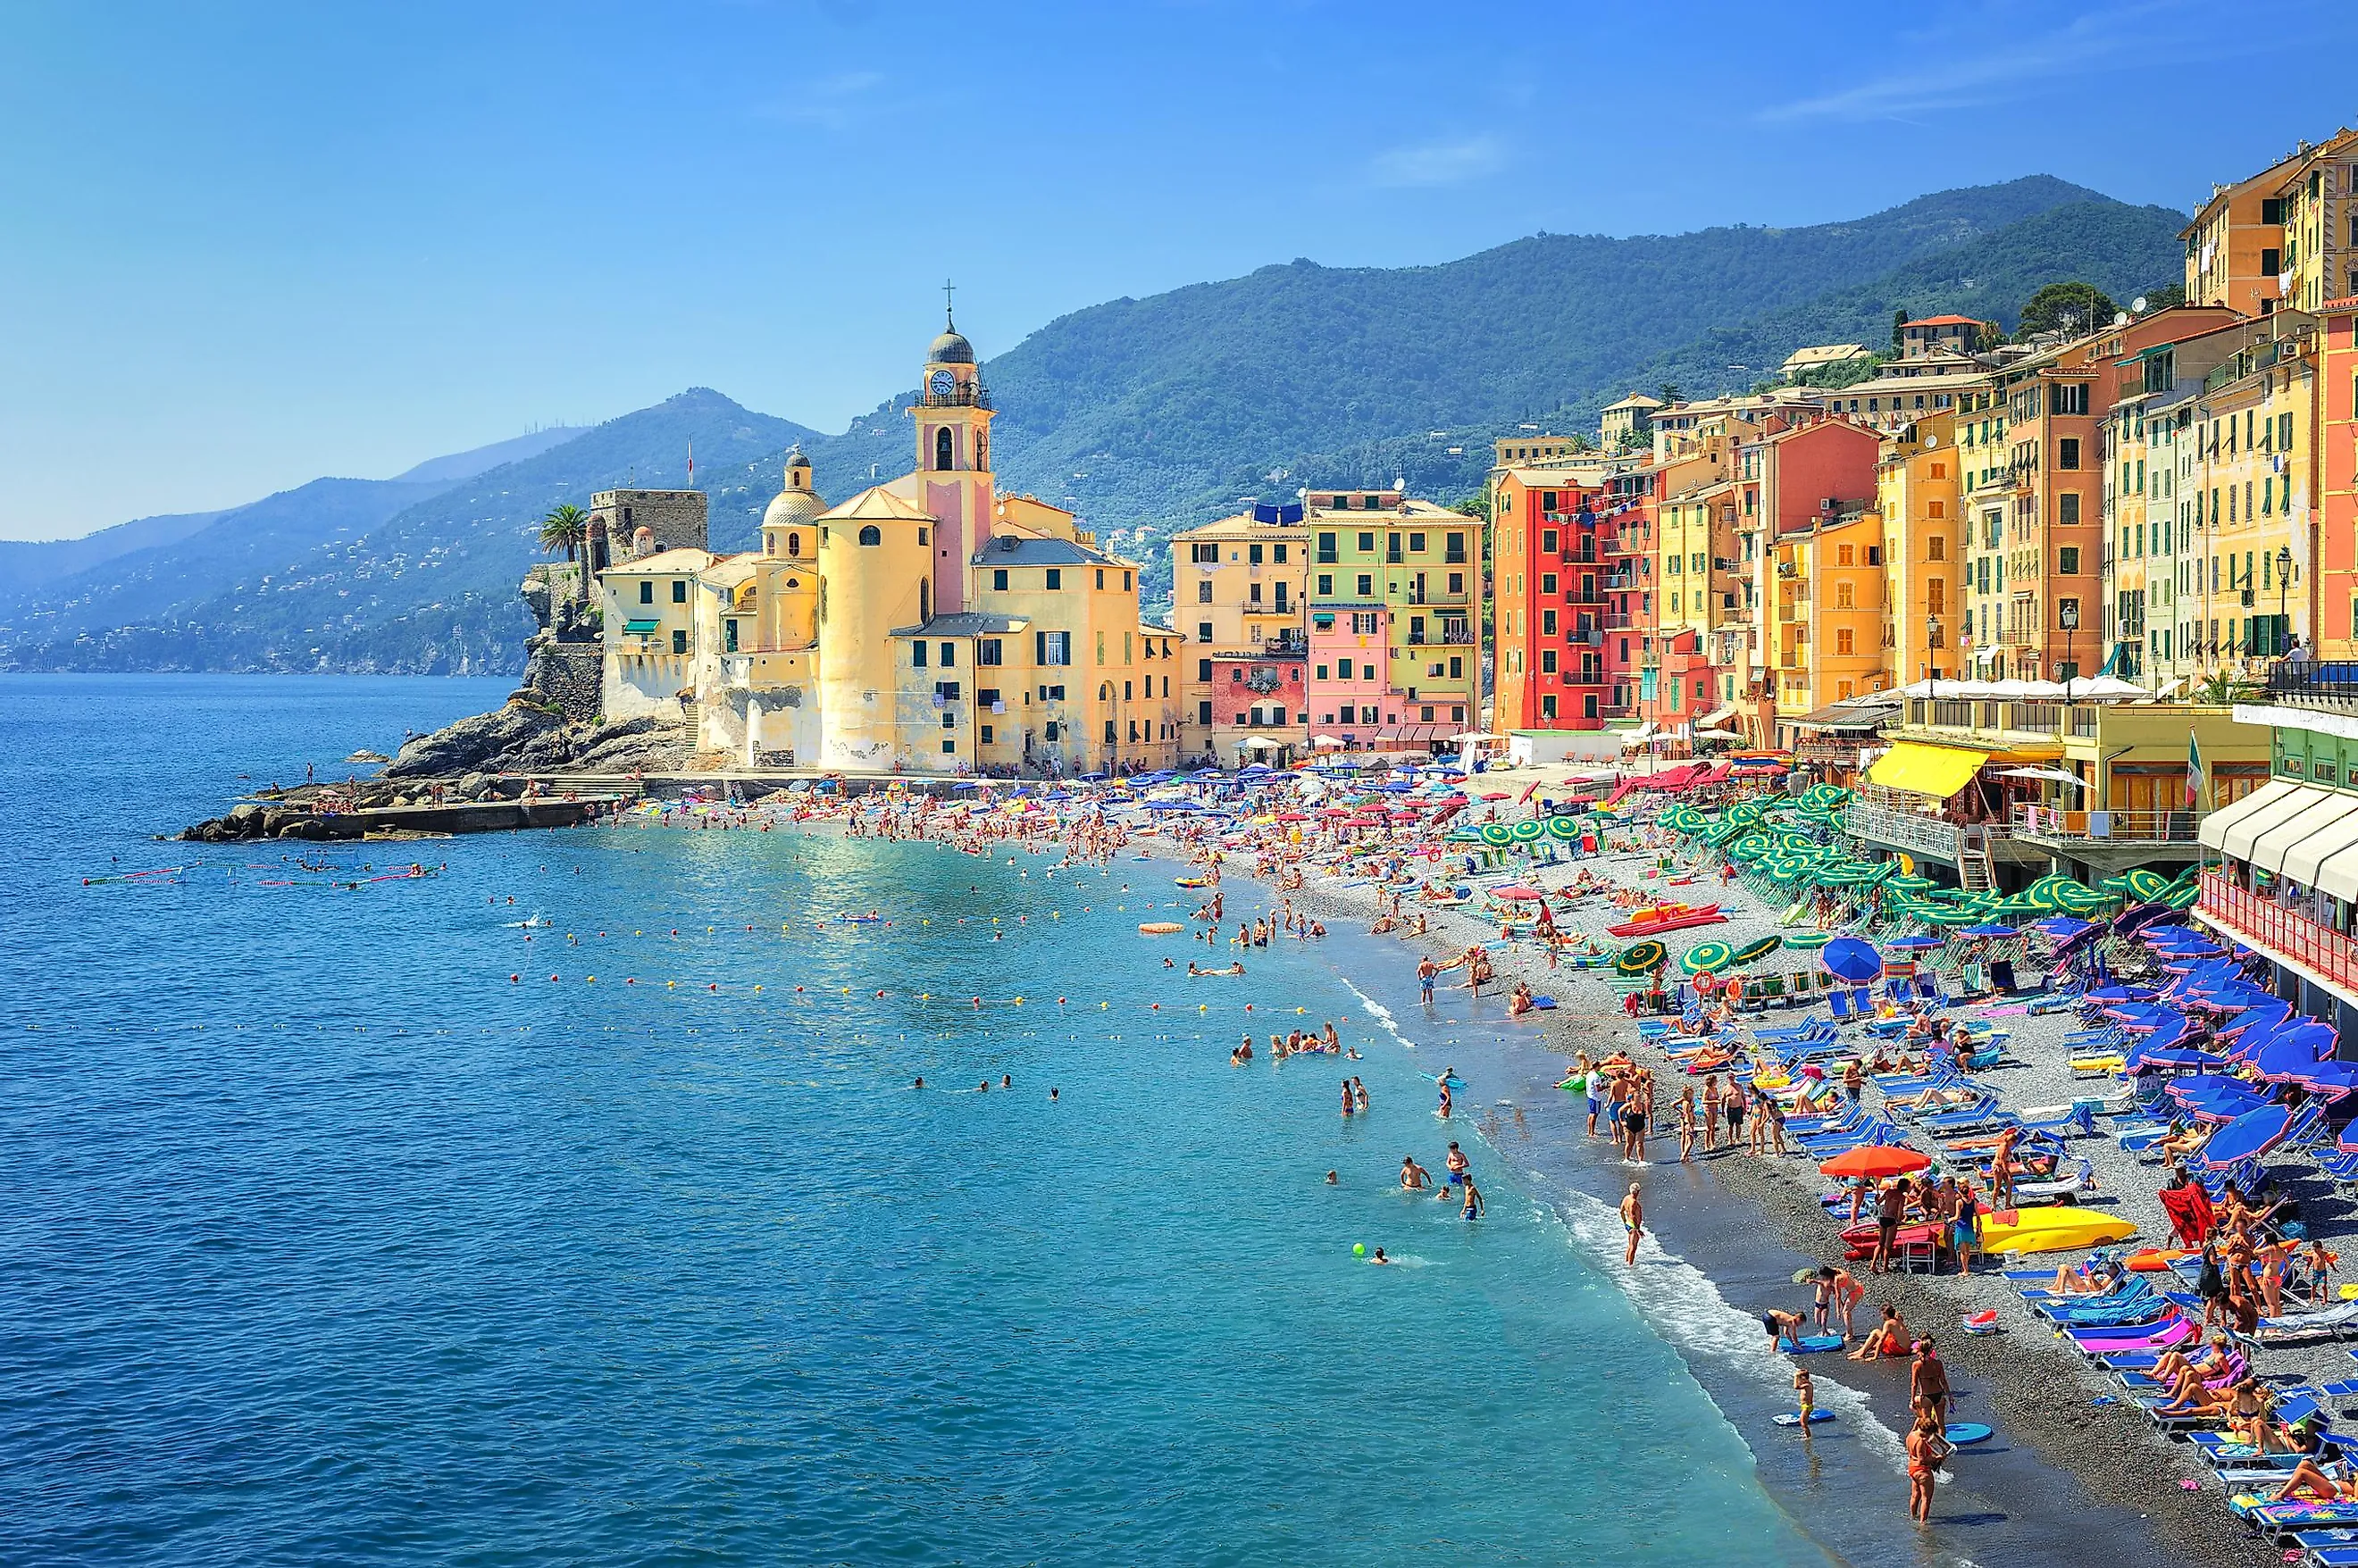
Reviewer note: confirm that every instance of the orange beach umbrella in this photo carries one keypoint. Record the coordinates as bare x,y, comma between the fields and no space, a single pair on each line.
1876,1162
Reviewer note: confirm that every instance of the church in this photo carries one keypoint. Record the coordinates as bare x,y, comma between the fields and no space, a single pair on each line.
926,625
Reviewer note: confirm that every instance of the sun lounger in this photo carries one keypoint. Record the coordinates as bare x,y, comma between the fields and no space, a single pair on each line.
2332,1323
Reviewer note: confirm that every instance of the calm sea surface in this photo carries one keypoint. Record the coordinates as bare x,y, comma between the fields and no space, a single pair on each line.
323,1241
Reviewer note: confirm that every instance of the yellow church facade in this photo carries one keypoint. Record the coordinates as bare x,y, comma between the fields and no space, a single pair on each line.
925,625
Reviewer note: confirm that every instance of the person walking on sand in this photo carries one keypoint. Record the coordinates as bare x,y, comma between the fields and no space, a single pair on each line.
1686,1125
1633,1221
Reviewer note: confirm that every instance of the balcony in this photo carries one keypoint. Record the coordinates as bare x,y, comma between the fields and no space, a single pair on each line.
975,396
2284,933
2084,829
2312,684
1617,623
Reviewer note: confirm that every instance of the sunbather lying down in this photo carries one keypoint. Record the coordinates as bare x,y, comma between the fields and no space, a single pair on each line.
2190,1141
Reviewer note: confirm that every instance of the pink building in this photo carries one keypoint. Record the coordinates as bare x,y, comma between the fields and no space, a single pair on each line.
1349,698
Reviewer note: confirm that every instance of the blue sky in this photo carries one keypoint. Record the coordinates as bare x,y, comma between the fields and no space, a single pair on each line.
247,244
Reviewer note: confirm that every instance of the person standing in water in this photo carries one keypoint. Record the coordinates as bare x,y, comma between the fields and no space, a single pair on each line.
1633,1220
1347,1107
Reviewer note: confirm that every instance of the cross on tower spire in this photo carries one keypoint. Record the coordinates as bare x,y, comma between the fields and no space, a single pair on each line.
948,288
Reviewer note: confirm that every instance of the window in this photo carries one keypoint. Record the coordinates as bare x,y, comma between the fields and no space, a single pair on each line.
949,656
1547,582
986,735
986,697
1343,669
1204,713
2271,211
793,544
1101,577
1547,541
949,722
1456,583
1048,730
1547,704
2068,397
1547,661
1204,554
944,448
1325,549
2067,508
999,580
2067,560
646,593
1843,640
1055,578
1203,630
1326,583
1052,647
1547,622
871,535
1367,586
916,655
1203,591
678,641
2067,450
1936,548
1203,669
1051,694
1367,544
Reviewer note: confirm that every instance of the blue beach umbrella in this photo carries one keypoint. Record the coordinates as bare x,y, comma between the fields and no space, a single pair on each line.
1915,943
1998,932
1852,958
2247,1137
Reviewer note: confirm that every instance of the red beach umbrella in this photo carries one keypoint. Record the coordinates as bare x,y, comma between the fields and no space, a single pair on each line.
1875,1162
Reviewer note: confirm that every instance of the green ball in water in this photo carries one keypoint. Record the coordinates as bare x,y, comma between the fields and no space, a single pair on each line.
1359,1249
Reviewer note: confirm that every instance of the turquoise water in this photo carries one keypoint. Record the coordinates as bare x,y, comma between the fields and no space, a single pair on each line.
325,1241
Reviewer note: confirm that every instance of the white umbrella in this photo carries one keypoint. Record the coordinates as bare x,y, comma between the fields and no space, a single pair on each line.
2055,776
2106,689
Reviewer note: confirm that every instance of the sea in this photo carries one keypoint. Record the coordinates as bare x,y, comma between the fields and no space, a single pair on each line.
356,1221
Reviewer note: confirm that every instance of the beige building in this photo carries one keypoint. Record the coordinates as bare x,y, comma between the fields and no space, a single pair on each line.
929,624
1239,588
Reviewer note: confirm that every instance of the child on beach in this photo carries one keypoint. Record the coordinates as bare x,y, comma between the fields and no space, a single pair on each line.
1805,1395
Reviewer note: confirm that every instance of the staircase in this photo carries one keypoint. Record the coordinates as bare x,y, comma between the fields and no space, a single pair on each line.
1974,872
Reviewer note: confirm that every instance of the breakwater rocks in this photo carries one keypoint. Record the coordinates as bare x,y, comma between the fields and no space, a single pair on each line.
525,737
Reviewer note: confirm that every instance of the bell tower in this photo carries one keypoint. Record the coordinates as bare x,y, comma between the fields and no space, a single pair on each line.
952,414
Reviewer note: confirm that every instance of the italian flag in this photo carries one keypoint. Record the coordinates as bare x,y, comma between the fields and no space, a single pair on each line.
2193,770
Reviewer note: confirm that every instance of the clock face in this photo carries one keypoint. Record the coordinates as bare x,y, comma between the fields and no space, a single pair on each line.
942,384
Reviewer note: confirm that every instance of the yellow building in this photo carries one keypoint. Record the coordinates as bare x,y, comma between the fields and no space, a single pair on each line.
929,624
2255,489
2320,225
1918,507
1827,612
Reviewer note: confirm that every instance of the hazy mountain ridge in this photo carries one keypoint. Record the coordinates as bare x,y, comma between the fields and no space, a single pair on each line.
1151,414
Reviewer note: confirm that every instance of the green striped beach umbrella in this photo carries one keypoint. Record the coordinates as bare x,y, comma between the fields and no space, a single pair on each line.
1753,952
1807,941
1705,957
2145,885
1565,828
1497,834
1641,957
1527,831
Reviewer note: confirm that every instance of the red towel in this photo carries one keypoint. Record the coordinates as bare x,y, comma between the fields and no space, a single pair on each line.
2188,1208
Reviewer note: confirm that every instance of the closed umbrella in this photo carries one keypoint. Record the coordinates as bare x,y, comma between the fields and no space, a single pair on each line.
1852,958
1915,943
1875,1162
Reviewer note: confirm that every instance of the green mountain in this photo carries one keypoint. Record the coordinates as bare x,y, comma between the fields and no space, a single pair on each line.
1151,415
425,586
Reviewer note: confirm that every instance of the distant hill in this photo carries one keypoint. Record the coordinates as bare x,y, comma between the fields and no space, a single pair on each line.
1151,415
426,585
467,465
30,564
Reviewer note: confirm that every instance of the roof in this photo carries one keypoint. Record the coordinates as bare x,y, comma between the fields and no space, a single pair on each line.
1636,400
1027,550
875,505
683,558
1825,354
966,623
1240,526
1941,321
950,349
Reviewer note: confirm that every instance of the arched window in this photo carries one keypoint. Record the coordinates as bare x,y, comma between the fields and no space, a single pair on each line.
924,603
871,535
794,545
943,447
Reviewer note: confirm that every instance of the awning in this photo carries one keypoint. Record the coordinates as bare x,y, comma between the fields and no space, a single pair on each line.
1937,772
1639,736
2244,832
641,628
2328,859
2243,836
1717,716
2272,846
1259,743
2215,828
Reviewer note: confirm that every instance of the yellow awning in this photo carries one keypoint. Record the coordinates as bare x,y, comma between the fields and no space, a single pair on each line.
1939,771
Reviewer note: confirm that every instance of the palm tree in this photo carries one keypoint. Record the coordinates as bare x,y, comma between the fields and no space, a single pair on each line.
567,528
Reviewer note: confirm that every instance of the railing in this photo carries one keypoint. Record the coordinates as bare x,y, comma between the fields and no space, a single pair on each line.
2333,683
1912,830
1457,639
1617,623
2136,827
2265,922
974,396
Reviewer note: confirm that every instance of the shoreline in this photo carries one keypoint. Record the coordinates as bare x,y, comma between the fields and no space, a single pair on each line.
2056,1448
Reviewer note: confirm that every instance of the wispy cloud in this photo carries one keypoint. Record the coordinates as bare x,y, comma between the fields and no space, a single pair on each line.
2027,60
829,103
1448,162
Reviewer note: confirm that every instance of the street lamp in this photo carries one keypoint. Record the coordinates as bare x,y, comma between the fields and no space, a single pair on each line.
1931,664
2068,616
2284,586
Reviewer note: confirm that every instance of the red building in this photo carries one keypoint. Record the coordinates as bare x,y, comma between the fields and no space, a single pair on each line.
1567,588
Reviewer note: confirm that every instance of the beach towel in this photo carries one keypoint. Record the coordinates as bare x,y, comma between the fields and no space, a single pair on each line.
2188,1208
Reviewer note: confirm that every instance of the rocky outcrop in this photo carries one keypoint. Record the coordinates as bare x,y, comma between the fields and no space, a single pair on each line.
485,744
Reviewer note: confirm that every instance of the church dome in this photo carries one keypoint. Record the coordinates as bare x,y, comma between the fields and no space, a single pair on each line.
797,502
950,349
